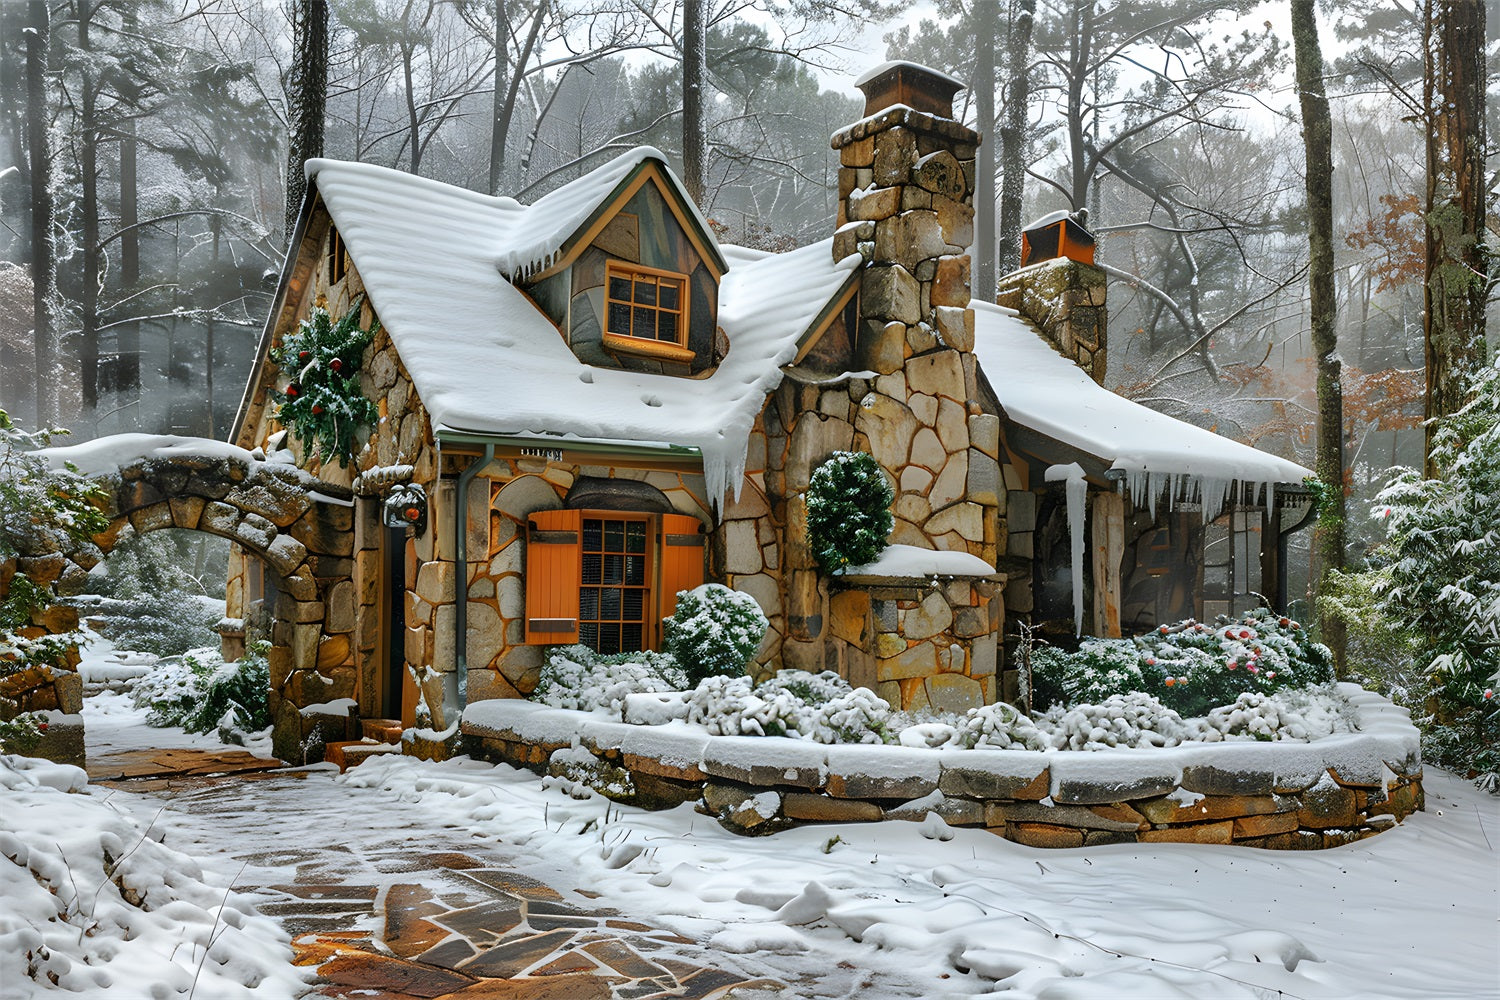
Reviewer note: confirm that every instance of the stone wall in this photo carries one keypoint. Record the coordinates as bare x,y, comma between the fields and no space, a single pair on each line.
1288,796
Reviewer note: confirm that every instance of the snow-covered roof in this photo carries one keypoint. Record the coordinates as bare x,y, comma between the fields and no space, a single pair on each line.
1160,455
1048,219
485,360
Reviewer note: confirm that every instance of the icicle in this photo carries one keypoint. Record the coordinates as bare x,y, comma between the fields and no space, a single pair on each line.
1077,490
1153,487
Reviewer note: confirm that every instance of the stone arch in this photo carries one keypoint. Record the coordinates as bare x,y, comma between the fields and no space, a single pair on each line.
296,526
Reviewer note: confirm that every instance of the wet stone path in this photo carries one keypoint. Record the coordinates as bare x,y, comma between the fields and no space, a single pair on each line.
385,911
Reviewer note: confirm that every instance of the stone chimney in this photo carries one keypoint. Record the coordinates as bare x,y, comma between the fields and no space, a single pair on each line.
1061,291
906,181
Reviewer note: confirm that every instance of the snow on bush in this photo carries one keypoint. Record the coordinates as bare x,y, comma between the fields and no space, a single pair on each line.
818,707
1121,720
1001,727
714,631
824,708
848,511
576,677
201,692
1189,666
95,903
1290,714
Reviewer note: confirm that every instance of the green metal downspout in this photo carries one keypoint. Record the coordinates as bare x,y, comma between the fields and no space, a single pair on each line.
461,576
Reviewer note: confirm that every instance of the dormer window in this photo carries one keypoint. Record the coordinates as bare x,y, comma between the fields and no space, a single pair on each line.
647,311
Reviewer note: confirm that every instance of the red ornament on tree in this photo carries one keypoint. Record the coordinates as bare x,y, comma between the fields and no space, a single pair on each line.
303,355
316,409
293,390
336,365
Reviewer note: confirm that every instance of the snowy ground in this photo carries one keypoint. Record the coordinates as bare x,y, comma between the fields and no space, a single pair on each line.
870,911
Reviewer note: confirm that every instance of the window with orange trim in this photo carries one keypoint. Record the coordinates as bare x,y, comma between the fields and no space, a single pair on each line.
605,579
645,304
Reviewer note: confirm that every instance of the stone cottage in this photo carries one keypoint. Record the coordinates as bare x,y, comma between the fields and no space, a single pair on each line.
587,404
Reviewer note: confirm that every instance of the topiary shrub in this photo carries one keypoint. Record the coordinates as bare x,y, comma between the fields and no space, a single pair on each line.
848,511
714,631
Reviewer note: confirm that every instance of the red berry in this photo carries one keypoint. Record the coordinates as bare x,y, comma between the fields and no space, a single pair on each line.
336,365
1171,681
316,409
412,513
1232,664
294,389
303,355
1164,630
1284,622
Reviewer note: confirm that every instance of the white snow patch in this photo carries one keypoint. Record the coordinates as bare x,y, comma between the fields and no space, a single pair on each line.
917,563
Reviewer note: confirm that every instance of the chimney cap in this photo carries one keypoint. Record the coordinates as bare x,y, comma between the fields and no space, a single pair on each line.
918,87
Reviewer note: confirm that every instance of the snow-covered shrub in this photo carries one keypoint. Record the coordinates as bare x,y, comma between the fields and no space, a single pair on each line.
859,716
1289,714
730,706
201,692
714,631
21,734
166,624
41,510
576,677
1189,665
1001,727
848,511
820,707
1121,720
1099,668
1433,585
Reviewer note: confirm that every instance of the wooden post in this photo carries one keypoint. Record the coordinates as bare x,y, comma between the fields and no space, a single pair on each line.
1108,522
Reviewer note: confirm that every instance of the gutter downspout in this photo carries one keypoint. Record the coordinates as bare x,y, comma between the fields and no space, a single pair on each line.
457,689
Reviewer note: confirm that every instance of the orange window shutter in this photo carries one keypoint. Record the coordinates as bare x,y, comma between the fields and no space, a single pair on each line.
553,542
683,551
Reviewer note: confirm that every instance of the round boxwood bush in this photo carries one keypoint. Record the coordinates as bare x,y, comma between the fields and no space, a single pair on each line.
714,631
848,511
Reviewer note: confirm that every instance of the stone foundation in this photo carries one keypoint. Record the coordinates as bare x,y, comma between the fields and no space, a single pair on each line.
1282,796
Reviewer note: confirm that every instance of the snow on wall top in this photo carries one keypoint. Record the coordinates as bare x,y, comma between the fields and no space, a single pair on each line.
1042,390
105,455
485,360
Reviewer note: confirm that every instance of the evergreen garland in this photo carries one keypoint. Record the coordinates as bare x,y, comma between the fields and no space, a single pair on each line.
323,404
848,511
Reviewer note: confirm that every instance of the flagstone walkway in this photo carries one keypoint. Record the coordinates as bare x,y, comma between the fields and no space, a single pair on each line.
389,913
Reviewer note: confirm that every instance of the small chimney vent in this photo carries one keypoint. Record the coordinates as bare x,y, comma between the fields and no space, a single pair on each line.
914,85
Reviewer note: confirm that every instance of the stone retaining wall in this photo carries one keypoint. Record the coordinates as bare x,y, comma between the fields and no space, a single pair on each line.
1290,796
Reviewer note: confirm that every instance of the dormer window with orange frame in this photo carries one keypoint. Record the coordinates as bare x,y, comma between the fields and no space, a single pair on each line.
647,312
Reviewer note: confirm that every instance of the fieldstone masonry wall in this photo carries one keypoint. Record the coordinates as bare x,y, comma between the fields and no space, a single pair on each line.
905,186
1286,796
1065,299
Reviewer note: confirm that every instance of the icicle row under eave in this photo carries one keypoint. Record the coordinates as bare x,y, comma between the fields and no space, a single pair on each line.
1145,488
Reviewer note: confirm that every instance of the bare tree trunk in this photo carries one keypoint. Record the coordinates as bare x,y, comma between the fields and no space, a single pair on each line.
694,78
1080,53
504,95
1454,283
129,362
307,93
88,168
986,18
1013,136
43,241
1317,137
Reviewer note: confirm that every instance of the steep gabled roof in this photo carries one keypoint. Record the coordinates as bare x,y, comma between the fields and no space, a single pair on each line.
434,259
1040,389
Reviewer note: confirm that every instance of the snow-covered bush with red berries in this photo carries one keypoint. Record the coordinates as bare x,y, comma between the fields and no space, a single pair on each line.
1189,666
